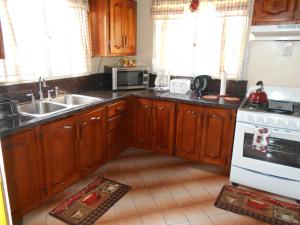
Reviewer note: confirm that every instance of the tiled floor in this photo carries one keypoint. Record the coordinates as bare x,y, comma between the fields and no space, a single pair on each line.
165,190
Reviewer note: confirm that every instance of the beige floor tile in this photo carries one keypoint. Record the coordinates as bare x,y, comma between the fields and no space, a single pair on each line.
152,219
202,221
210,210
243,220
130,220
223,219
173,216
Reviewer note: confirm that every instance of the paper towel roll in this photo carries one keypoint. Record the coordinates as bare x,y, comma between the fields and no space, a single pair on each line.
223,84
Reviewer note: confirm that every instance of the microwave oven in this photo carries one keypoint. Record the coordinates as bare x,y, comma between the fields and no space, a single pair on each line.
120,78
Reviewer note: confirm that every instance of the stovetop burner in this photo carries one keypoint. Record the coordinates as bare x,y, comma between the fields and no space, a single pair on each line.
280,107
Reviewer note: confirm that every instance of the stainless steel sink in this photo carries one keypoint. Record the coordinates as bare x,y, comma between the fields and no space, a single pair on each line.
41,108
73,100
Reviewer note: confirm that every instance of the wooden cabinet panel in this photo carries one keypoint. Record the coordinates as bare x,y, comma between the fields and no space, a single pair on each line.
21,158
113,27
143,123
297,12
130,27
215,138
117,23
117,108
189,131
60,152
273,11
163,126
92,140
2,54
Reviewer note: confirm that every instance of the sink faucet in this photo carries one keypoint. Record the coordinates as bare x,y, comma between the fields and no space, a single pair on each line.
41,82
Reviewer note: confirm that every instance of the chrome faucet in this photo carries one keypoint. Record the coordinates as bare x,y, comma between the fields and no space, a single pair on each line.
42,82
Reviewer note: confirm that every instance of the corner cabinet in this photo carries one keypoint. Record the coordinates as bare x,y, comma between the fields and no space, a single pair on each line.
276,12
113,27
205,134
59,141
154,125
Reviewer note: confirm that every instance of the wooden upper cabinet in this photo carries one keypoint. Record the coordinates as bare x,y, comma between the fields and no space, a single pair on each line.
2,54
163,126
143,123
297,12
130,27
216,136
189,131
21,158
113,27
59,140
92,140
274,12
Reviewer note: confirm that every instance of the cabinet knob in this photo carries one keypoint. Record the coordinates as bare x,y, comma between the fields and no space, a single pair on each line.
161,107
93,118
99,117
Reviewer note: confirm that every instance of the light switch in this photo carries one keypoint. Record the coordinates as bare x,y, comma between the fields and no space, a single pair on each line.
287,49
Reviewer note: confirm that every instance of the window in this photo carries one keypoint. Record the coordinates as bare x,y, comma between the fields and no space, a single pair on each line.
208,41
46,38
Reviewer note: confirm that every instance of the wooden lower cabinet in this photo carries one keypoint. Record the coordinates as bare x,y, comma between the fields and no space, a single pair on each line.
92,140
163,122
154,122
205,134
21,161
189,131
59,141
143,123
216,136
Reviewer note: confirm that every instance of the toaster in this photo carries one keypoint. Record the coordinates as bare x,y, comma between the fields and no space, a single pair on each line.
180,86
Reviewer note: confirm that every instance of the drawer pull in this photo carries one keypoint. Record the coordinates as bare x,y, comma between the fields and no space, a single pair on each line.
99,117
68,127
161,107
93,118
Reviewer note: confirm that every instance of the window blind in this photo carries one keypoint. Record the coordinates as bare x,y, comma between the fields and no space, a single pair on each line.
208,41
47,38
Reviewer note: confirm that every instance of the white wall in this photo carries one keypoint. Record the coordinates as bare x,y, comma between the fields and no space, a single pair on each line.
266,63
144,40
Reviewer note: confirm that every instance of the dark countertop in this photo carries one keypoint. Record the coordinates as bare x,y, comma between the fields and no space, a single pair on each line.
16,124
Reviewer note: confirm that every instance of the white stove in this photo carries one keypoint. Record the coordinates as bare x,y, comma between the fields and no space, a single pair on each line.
266,152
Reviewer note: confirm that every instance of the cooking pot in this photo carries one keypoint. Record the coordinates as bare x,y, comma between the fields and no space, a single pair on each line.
258,96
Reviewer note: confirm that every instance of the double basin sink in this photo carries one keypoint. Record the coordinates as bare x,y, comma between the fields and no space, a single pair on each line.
61,103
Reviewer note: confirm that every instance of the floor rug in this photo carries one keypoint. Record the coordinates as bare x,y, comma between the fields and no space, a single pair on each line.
258,206
91,202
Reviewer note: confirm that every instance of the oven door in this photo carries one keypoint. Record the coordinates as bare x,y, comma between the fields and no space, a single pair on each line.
130,79
282,158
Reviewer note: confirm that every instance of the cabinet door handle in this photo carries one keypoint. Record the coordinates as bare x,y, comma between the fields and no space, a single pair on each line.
93,118
84,123
68,127
126,41
161,107
99,117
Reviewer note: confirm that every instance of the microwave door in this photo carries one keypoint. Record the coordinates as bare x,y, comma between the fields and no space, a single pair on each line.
129,78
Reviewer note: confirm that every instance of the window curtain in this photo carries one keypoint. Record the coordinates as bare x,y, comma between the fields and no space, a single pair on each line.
47,38
208,41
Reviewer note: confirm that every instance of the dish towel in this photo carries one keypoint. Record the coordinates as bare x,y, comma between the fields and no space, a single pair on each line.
261,140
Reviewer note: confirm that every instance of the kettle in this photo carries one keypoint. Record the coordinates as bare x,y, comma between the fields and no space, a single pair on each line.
200,84
258,96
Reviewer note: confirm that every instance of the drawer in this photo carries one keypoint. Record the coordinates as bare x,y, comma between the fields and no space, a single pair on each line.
117,108
118,122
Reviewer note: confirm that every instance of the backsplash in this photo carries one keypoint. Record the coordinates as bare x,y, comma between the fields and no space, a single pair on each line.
96,81
74,84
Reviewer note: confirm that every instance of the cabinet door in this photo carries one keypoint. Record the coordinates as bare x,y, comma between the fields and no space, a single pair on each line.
130,27
163,126
117,29
273,11
60,152
21,158
2,55
216,136
189,131
143,121
297,12
92,138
